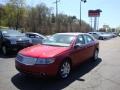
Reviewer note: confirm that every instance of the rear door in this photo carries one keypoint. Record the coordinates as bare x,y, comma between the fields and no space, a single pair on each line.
95,35
38,39
35,38
90,46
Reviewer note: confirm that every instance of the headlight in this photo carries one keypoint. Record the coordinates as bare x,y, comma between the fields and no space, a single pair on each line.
26,60
32,61
45,61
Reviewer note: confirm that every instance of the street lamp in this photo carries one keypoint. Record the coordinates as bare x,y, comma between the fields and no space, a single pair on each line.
80,10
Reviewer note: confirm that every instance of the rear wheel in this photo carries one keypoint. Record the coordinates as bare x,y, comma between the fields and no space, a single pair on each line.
95,56
64,70
101,38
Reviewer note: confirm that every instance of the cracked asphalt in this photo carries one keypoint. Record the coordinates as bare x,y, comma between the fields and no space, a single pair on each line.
103,74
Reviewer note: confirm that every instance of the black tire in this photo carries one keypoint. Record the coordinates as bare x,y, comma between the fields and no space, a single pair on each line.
64,70
101,38
25,75
4,50
95,55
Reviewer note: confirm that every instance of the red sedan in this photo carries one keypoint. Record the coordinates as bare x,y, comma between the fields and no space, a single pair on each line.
57,54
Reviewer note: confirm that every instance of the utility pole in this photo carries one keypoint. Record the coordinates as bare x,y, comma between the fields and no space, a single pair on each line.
56,2
1,10
80,14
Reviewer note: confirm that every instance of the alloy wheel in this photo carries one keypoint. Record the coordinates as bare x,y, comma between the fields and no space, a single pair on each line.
65,69
96,55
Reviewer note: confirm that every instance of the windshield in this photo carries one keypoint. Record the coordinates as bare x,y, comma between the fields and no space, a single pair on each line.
12,33
59,40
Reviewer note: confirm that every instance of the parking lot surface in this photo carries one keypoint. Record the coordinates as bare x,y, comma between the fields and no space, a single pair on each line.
103,74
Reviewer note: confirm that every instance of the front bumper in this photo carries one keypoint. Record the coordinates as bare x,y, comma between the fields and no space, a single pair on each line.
17,46
37,70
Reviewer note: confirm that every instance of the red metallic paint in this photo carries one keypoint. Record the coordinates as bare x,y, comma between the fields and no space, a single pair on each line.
43,51
77,56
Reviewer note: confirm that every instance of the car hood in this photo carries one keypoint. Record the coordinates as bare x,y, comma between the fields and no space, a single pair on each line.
43,51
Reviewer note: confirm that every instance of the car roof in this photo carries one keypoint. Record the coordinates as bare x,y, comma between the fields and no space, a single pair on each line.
94,32
35,34
71,33
31,33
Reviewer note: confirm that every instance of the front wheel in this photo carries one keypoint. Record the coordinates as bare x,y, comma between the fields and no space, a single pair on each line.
4,50
64,70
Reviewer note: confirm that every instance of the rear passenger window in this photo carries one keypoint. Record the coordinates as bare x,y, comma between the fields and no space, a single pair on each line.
88,39
31,35
80,40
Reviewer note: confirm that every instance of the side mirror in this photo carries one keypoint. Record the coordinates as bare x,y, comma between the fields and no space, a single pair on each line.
78,46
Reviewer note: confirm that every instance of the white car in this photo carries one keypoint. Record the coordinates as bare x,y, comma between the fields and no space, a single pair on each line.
35,37
101,35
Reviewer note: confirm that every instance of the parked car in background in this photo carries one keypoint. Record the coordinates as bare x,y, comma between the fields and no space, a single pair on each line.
57,55
119,34
108,35
113,34
12,40
95,34
48,36
35,37
101,35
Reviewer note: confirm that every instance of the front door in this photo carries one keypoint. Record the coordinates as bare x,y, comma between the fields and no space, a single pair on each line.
79,51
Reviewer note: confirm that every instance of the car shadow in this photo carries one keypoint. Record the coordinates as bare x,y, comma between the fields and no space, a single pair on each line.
23,83
10,55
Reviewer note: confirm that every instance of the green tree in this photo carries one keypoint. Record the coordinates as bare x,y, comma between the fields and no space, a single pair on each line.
39,18
16,13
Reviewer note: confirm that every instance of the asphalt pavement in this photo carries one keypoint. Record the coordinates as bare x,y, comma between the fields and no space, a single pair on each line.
104,74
